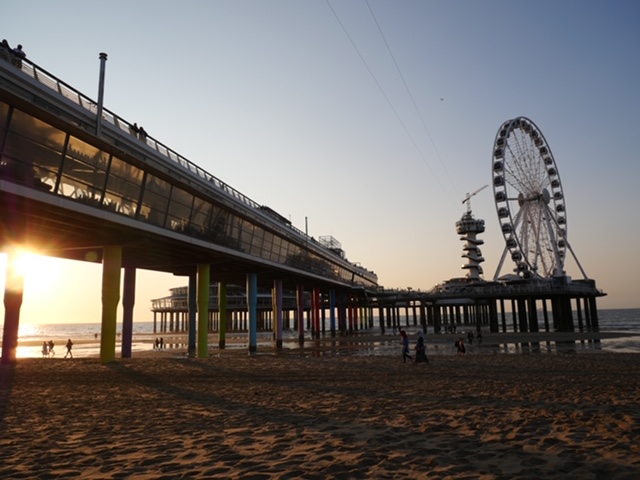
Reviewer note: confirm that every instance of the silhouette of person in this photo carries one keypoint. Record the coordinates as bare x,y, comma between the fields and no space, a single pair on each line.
460,346
421,349
45,351
69,346
52,352
405,346
18,56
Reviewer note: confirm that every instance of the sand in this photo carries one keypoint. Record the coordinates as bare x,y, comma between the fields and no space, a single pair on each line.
316,416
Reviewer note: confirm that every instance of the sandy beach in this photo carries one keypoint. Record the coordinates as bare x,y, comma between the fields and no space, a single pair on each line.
166,416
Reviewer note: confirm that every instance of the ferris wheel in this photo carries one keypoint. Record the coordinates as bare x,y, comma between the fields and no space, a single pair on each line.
529,201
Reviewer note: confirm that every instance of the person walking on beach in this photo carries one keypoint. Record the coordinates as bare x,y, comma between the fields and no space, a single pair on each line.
68,346
460,346
45,350
405,346
52,352
421,349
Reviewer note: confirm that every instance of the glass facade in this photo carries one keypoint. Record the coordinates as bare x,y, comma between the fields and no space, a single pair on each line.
38,155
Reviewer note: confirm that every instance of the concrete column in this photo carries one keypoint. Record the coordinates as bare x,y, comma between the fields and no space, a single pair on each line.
111,267
300,312
222,314
13,293
128,301
202,281
192,305
277,312
252,304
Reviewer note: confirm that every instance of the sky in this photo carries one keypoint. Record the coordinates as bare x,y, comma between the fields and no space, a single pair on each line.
367,120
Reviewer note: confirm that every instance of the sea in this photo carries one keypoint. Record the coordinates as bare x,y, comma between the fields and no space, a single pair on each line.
31,336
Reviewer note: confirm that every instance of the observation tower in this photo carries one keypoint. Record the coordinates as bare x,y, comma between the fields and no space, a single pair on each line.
469,228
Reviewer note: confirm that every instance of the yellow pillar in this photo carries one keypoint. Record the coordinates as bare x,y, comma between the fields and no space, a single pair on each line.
111,266
203,311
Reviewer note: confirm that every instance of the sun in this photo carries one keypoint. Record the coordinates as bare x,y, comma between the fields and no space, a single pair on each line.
28,269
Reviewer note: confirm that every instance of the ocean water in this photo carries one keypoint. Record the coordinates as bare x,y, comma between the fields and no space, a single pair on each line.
31,336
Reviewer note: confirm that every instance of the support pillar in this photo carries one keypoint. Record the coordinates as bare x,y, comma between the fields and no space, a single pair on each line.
111,267
128,301
300,312
192,305
252,304
332,311
222,314
13,293
202,281
277,312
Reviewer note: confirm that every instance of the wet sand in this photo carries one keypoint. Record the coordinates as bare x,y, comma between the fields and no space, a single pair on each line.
306,414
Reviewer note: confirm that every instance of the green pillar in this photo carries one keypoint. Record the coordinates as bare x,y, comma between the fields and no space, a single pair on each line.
111,267
203,310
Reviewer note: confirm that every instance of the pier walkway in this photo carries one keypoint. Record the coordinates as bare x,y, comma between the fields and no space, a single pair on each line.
79,182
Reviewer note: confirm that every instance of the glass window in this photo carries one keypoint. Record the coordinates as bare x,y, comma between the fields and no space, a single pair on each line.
32,151
83,172
200,217
123,187
155,200
37,130
179,210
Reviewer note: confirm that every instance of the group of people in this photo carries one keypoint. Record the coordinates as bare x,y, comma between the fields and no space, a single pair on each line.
159,344
17,53
48,349
138,131
421,348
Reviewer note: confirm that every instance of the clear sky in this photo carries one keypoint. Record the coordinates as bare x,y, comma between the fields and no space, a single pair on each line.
371,119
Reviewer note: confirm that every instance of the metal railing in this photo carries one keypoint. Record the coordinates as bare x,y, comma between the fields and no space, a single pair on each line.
47,79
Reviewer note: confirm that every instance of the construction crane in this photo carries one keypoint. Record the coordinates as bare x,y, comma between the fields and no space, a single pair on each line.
467,198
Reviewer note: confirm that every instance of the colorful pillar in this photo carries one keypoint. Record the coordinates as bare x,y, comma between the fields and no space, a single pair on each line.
13,292
203,310
300,311
222,313
192,305
111,267
315,309
332,311
252,304
277,312
128,301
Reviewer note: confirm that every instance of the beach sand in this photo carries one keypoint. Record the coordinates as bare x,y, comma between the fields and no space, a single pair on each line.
163,415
